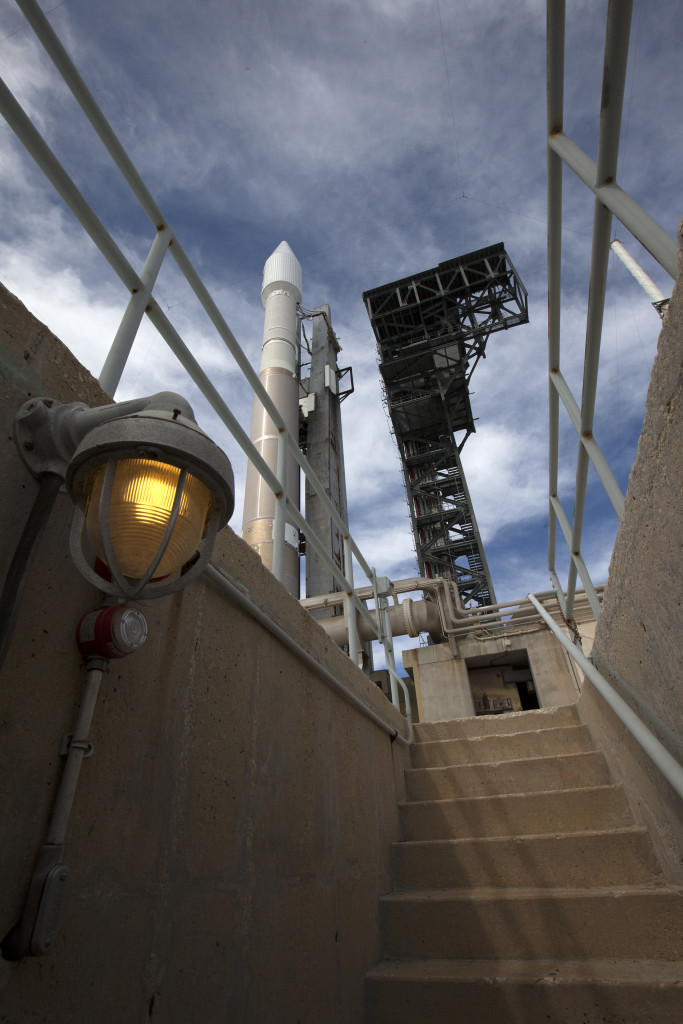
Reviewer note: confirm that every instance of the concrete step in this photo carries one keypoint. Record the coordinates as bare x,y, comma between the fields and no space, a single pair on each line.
527,775
583,859
525,992
491,725
571,810
633,923
572,739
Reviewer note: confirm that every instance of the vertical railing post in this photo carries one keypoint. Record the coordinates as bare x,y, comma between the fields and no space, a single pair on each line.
279,517
555,58
118,354
384,635
614,78
349,603
388,645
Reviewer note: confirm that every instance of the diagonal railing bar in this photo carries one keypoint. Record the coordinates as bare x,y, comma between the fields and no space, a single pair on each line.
142,302
67,69
84,97
36,146
122,344
577,559
642,226
656,751
590,444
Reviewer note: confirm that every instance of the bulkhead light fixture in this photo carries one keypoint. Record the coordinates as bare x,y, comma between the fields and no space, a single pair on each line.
151,492
151,489
142,498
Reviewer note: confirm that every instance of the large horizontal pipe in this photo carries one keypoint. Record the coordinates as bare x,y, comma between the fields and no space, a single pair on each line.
408,618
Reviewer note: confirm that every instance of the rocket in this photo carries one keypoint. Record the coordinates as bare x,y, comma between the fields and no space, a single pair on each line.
280,293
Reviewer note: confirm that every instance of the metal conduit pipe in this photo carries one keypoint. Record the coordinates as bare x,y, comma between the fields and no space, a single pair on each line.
408,618
215,577
36,930
403,586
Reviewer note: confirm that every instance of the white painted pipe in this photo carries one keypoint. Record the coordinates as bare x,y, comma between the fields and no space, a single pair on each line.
646,282
281,291
410,618
66,792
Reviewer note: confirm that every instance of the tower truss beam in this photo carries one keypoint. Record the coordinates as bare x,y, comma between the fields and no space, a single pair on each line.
431,331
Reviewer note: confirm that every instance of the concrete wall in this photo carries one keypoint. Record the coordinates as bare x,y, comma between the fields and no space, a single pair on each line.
638,640
442,681
230,836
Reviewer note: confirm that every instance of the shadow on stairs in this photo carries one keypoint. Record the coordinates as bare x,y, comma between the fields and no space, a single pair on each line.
523,891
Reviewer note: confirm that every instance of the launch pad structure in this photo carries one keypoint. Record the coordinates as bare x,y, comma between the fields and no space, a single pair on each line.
431,330
320,438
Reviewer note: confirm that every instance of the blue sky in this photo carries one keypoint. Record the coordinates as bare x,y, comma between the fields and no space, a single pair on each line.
378,138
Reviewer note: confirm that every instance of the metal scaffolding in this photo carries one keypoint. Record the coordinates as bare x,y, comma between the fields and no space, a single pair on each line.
431,331
320,437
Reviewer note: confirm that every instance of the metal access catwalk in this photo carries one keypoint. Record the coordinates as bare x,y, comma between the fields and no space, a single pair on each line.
431,331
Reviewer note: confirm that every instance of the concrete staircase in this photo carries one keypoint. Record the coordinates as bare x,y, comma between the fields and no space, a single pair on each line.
523,890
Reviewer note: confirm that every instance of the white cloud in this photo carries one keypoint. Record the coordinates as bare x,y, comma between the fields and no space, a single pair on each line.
335,130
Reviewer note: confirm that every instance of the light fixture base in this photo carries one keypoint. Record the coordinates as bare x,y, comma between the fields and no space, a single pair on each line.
42,435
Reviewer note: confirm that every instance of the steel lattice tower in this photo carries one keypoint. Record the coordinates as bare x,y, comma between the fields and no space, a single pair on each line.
431,331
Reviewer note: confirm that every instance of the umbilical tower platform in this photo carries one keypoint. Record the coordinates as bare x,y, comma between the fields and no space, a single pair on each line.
431,331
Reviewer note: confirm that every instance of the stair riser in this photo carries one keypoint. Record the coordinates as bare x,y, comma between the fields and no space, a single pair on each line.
484,750
488,725
628,926
598,860
391,1002
535,814
537,775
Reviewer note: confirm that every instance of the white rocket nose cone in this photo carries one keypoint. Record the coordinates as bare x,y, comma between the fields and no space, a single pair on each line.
284,247
282,270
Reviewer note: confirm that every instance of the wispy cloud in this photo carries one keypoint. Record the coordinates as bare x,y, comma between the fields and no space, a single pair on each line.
352,130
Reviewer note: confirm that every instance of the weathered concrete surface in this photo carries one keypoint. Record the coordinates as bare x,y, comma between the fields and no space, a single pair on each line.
528,775
519,814
583,860
574,739
442,681
503,725
230,836
525,992
587,910
638,641
442,687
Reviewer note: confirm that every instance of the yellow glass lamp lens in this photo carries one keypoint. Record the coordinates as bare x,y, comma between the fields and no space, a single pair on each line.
142,498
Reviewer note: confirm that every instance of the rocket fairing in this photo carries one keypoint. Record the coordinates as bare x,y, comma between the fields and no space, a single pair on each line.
280,293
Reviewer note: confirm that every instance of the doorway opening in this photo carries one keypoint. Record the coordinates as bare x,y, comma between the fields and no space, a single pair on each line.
502,682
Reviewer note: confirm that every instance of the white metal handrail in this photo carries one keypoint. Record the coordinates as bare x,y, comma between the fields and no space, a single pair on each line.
143,303
610,199
656,751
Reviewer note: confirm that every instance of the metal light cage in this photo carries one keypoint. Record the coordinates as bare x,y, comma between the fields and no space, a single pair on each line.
155,437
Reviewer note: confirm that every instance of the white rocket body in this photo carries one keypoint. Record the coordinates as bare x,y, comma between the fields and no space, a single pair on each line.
281,291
